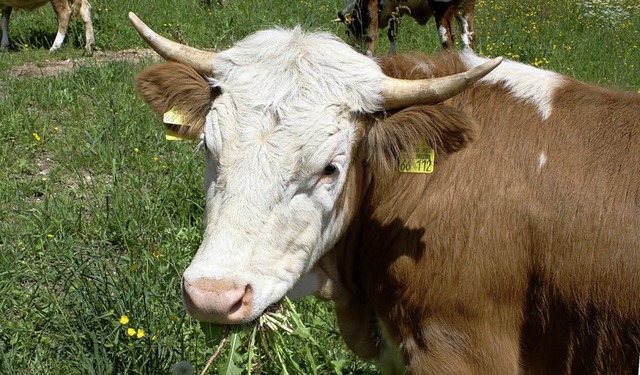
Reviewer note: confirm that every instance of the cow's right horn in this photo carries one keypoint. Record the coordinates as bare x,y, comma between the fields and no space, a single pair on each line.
201,61
401,93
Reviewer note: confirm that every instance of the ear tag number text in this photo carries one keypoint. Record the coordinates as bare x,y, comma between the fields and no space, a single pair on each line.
422,162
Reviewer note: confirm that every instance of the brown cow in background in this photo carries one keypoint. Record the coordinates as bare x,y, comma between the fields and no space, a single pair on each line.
63,12
363,18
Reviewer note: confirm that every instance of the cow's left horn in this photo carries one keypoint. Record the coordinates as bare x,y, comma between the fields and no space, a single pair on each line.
401,93
201,61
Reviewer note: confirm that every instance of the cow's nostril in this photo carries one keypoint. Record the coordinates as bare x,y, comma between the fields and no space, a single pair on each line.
243,306
217,301
237,306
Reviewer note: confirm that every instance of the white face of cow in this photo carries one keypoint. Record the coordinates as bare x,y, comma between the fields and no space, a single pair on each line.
279,142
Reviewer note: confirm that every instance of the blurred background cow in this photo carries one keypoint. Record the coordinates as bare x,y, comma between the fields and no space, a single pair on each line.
363,18
64,10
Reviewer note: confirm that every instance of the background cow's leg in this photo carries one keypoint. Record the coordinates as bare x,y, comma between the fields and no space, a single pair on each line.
444,13
85,14
465,20
392,32
372,32
4,25
63,11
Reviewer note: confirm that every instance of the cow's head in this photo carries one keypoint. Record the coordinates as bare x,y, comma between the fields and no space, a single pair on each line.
280,116
356,24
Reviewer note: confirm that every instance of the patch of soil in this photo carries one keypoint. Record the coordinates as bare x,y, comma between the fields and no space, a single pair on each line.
55,67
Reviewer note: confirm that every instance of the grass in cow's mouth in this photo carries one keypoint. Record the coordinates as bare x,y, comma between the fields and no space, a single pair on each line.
265,339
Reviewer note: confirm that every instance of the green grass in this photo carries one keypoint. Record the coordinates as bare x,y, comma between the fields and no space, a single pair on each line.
99,215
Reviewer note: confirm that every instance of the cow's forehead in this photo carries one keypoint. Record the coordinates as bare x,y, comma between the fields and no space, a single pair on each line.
293,69
298,142
289,98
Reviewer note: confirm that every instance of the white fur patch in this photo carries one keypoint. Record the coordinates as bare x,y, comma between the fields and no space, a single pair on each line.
526,82
542,160
57,42
443,34
466,33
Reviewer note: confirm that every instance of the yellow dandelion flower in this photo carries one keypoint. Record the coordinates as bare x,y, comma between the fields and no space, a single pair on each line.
50,235
55,128
140,333
136,149
131,332
124,319
154,338
36,136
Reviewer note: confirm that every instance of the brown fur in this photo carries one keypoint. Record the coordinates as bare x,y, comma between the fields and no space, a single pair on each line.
491,265
169,85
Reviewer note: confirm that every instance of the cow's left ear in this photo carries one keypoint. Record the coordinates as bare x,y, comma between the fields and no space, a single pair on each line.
445,129
177,91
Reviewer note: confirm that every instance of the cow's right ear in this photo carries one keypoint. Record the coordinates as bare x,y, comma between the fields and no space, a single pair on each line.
178,92
444,129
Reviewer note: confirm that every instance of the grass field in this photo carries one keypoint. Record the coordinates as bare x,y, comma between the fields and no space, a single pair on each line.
99,215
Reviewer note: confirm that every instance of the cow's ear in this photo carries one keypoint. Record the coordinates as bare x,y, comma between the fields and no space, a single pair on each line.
179,95
445,129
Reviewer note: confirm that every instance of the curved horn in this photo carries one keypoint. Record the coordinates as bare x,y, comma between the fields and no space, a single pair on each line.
401,93
201,61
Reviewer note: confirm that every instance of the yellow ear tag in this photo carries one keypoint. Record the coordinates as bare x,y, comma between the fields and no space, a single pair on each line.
174,137
174,117
421,163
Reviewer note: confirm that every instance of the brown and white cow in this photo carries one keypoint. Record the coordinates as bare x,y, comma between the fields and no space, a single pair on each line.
366,17
63,12
517,254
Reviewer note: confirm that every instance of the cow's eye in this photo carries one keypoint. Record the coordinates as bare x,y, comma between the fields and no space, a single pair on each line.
330,174
330,169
